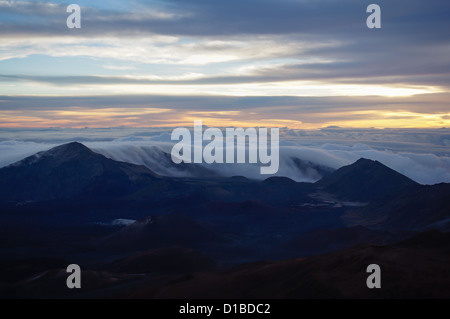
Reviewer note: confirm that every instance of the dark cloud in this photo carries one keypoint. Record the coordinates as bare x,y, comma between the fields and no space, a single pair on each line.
275,106
427,20
413,46
435,72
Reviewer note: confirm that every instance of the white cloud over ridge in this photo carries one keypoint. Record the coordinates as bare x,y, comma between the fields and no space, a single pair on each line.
420,161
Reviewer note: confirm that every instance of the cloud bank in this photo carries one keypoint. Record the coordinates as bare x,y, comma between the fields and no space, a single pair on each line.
315,62
422,155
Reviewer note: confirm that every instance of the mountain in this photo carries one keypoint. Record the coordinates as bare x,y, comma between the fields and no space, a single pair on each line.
279,181
365,181
58,206
414,208
69,171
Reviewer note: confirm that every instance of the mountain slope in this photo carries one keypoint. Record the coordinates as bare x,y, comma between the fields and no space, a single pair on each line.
365,181
165,260
68,171
161,231
415,208
417,268
321,241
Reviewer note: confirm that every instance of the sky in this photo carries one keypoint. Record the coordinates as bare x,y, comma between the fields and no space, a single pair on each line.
300,64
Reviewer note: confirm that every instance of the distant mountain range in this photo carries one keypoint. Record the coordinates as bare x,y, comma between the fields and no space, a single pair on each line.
73,171
60,205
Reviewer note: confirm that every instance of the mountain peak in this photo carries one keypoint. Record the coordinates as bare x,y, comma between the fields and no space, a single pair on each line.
367,162
72,146
59,153
363,160
71,170
365,180
279,181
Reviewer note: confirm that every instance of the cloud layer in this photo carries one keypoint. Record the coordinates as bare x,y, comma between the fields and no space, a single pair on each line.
198,51
273,111
422,155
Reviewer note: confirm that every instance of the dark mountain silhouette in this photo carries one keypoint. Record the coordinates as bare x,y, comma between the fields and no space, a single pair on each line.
279,181
68,171
409,270
61,204
365,181
412,208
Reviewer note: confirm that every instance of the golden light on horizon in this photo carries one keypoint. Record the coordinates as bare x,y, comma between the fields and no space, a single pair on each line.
79,117
395,119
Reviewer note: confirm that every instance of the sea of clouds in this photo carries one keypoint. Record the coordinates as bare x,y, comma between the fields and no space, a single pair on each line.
422,155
